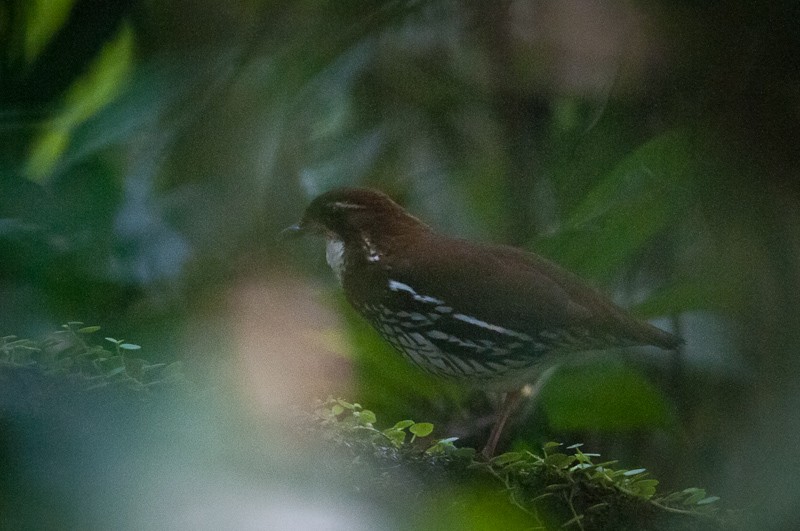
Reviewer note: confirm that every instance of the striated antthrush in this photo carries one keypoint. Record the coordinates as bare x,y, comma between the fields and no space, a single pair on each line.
491,315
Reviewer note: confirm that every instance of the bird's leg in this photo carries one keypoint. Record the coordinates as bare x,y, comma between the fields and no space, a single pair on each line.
510,402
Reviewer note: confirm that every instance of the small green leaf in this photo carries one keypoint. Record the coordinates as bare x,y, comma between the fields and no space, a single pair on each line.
695,495
115,341
129,346
582,457
443,446
88,329
397,437
366,417
337,410
421,429
508,457
634,472
464,453
403,424
346,405
559,460
706,501
645,488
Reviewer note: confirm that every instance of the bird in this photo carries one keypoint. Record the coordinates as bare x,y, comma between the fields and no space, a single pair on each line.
493,316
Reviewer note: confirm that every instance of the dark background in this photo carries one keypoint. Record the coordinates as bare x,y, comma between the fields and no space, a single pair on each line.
150,152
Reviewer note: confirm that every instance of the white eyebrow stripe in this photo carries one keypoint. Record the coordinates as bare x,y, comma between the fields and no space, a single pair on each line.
349,206
489,326
399,286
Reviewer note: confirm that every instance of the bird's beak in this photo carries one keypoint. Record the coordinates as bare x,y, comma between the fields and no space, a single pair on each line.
293,232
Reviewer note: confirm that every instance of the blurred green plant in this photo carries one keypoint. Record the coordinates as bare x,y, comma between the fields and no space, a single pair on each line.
70,355
628,208
602,397
97,88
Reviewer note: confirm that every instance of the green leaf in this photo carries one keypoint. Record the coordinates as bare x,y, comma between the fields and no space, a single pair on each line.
397,437
443,446
129,346
366,417
421,429
694,495
706,501
43,20
625,211
464,453
559,460
88,329
634,472
337,410
508,457
403,424
99,85
346,405
645,488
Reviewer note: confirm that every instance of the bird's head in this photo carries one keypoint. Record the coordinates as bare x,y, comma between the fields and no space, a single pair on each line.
352,213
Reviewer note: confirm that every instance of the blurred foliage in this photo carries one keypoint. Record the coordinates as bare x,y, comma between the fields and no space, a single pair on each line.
604,397
67,355
150,151
77,394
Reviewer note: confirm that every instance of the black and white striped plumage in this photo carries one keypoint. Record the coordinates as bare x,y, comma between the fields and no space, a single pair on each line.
489,314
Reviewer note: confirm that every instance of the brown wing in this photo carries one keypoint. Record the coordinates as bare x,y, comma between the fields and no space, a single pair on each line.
519,290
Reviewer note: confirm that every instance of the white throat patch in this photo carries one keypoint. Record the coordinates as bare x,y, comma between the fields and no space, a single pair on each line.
334,254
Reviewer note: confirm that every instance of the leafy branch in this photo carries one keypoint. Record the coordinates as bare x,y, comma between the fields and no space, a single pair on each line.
585,492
